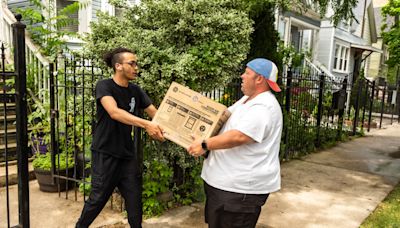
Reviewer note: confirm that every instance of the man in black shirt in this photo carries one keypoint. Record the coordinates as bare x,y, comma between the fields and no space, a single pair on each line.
114,163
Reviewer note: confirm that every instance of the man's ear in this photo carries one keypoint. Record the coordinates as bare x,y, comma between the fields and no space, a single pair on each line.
118,67
260,79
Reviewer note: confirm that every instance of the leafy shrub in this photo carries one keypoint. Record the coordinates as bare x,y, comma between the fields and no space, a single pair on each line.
43,161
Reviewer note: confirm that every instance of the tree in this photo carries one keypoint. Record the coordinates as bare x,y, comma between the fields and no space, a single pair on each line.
199,43
265,39
46,24
342,9
391,32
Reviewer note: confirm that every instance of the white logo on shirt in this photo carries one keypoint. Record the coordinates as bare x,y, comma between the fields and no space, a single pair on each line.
132,105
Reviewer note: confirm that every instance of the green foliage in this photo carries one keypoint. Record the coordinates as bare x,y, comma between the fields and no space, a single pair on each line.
196,43
392,75
156,180
391,31
289,55
43,161
265,38
39,120
86,186
192,189
168,158
342,10
302,135
46,24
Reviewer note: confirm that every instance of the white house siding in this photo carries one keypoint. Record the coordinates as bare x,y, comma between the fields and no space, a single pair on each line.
359,14
96,6
375,60
325,46
14,4
367,32
19,4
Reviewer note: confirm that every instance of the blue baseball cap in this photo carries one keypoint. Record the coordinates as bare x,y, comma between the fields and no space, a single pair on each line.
267,69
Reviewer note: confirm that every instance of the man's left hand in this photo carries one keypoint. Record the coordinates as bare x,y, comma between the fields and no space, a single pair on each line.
195,148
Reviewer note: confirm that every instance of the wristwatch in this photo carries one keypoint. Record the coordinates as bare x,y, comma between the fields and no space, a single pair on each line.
205,148
204,145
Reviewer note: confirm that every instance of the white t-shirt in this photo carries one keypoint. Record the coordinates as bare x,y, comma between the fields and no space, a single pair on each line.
251,168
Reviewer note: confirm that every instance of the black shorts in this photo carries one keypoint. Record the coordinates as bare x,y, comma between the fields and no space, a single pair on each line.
229,209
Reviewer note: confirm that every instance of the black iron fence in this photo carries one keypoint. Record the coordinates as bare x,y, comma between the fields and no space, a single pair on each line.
313,106
318,110
13,130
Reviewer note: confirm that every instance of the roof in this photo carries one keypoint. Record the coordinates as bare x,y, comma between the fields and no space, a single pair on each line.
366,47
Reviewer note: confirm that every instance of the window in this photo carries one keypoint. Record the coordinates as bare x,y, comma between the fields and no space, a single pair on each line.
341,58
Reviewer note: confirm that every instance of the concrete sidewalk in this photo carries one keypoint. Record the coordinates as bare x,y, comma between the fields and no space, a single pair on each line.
338,187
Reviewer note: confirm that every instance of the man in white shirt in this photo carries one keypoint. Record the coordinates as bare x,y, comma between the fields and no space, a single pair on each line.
243,164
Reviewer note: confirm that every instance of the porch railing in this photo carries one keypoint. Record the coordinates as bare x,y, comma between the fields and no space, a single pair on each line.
38,65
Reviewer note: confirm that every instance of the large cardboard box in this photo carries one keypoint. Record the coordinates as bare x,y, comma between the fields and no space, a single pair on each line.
184,112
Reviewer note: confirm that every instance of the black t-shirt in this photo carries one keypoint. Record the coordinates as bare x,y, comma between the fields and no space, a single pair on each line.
113,137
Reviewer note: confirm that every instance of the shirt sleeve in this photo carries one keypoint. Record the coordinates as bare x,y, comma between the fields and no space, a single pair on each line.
102,89
146,101
255,123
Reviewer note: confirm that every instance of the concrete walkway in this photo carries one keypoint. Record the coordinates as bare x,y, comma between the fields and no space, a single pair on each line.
338,187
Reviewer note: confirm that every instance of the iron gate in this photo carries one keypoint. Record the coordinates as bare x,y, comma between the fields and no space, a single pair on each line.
13,129
72,110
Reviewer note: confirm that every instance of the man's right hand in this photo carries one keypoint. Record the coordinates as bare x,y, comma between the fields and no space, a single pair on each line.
155,131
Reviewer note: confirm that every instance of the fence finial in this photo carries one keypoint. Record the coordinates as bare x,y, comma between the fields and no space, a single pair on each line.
18,17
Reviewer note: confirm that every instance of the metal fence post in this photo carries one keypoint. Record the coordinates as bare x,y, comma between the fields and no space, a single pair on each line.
320,101
53,115
371,103
341,107
22,135
287,109
364,103
383,104
356,106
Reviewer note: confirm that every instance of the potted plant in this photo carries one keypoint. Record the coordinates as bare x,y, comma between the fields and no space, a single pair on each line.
42,168
39,126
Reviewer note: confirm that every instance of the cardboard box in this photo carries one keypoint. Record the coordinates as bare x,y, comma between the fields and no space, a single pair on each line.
184,112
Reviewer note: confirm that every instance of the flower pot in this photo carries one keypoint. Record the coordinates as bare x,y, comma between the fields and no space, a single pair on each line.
44,179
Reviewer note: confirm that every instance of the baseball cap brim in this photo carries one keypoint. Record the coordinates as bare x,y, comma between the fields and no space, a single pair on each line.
273,85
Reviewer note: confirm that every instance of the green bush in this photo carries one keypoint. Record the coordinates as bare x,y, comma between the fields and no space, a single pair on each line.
43,161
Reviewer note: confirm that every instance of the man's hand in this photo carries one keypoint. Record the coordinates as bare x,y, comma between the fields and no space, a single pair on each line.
195,148
155,131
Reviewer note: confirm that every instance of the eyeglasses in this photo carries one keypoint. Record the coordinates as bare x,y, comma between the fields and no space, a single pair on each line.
131,63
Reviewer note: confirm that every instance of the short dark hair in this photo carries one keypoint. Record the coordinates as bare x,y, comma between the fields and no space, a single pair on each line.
114,56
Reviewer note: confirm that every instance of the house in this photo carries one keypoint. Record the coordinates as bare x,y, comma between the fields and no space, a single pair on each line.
377,66
84,16
300,27
345,49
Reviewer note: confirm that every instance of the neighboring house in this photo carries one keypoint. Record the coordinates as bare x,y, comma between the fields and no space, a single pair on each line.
345,49
85,16
300,28
377,66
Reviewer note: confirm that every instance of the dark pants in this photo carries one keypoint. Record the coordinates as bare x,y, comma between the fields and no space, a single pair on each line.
107,173
228,209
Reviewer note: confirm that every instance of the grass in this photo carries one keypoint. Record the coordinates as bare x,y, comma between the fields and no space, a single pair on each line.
387,214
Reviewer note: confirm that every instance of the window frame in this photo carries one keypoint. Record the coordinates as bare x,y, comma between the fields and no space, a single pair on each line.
341,58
